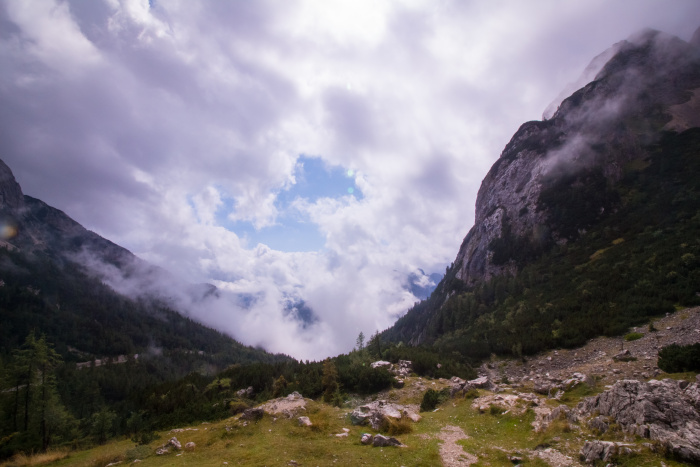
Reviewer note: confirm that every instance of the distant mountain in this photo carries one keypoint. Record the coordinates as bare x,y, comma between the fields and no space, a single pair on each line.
421,285
54,281
616,161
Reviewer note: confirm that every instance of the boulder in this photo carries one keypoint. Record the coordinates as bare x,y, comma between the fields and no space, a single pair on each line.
190,446
599,424
603,450
375,412
173,443
459,386
383,441
659,410
624,356
381,364
248,392
404,368
366,438
304,421
561,412
576,379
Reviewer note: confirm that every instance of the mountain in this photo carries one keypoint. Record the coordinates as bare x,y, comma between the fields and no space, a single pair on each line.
421,285
55,281
615,163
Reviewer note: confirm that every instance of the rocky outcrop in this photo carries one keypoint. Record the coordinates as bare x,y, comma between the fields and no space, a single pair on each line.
374,414
287,406
461,387
597,128
173,443
604,450
401,370
664,411
11,197
554,387
247,392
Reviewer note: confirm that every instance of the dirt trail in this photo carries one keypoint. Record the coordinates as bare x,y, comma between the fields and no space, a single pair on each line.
451,453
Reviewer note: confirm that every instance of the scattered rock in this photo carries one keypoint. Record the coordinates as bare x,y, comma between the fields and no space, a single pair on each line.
404,368
599,423
624,356
603,450
380,441
366,438
190,446
659,410
375,412
173,443
576,379
459,386
304,421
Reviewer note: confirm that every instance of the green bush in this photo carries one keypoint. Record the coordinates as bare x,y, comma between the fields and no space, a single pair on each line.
236,407
677,359
633,336
432,398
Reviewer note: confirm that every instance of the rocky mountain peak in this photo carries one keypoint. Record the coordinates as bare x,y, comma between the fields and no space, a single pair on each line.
524,204
11,196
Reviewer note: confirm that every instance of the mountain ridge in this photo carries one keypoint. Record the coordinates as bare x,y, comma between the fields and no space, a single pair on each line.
557,184
578,137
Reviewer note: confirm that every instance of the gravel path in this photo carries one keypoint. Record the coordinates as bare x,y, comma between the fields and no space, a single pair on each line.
451,453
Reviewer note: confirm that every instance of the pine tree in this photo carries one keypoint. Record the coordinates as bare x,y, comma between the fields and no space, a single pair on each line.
360,343
330,380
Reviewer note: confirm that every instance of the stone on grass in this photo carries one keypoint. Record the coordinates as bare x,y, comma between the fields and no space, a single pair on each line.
304,421
383,441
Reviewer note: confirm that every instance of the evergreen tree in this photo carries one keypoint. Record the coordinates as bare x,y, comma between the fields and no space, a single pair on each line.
360,343
330,380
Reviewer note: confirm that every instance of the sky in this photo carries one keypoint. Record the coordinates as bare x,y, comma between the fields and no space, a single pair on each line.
288,152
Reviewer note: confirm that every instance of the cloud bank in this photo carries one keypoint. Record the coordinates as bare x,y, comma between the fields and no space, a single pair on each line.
177,129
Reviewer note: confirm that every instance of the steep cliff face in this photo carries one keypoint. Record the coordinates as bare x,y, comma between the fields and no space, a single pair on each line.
11,197
31,225
553,179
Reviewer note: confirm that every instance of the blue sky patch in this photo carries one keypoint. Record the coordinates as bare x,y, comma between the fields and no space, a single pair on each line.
293,231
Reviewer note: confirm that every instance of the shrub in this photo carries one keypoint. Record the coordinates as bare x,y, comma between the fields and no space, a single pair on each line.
633,336
432,398
236,407
393,427
139,452
677,359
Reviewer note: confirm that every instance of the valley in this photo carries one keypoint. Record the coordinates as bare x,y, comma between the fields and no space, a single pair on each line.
509,424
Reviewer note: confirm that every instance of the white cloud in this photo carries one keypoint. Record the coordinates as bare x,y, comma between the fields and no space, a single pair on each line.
150,122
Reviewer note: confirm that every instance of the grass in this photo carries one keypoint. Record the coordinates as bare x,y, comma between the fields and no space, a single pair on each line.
45,458
494,437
